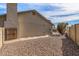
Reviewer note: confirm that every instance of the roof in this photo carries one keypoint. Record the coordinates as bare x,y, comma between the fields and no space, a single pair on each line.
4,15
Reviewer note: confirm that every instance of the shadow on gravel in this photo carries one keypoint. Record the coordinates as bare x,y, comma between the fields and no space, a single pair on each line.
69,48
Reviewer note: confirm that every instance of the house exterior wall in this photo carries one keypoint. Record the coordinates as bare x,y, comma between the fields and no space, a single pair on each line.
27,24
32,25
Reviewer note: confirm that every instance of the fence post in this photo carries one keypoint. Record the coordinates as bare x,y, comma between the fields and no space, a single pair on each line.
69,32
75,32
3,37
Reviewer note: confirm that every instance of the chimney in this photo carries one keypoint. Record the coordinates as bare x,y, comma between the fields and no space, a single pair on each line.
11,17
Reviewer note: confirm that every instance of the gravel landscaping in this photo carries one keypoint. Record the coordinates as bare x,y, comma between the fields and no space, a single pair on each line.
69,48
43,46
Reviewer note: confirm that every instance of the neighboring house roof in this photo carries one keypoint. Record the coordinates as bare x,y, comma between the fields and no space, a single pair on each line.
27,12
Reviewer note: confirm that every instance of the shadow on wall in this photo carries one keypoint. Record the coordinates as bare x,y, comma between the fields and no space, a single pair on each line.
69,48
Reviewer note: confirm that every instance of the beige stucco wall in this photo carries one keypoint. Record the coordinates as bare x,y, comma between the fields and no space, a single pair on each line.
32,25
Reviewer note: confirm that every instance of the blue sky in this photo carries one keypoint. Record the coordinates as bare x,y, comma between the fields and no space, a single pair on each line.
56,12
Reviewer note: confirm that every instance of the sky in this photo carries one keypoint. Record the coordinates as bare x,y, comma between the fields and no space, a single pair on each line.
55,12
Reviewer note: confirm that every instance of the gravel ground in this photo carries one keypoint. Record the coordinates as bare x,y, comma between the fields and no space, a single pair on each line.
43,46
69,48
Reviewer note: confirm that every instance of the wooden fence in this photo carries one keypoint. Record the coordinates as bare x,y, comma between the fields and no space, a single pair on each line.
73,33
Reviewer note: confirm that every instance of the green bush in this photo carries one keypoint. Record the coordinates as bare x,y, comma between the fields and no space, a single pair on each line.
61,27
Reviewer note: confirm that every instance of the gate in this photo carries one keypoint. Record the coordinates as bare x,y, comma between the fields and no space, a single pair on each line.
10,33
